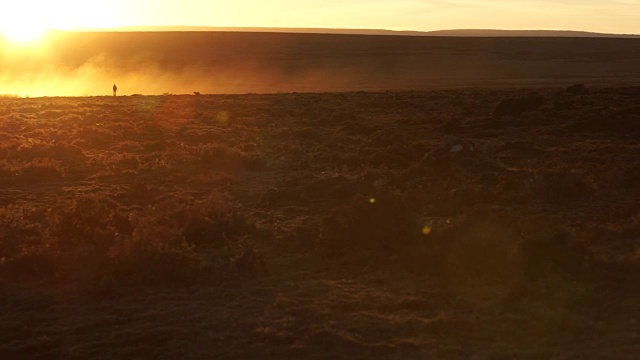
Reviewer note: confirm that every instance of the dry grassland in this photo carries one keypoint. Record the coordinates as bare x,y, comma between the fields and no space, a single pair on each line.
439,224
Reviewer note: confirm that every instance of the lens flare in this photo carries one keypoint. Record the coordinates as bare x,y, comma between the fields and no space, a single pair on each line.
222,117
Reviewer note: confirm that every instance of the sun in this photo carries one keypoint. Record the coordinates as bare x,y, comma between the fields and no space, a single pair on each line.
23,34
25,21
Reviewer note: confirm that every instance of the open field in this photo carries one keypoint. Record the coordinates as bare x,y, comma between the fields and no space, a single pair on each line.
486,223
150,63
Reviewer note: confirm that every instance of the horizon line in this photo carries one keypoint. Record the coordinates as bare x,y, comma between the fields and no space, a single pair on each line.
346,31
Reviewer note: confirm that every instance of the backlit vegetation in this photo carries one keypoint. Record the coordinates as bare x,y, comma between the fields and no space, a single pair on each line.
323,219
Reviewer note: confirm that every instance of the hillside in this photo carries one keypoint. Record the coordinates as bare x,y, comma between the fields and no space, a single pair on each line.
453,32
242,62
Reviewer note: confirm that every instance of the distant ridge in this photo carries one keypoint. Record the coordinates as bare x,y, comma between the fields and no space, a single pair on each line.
524,33
456,33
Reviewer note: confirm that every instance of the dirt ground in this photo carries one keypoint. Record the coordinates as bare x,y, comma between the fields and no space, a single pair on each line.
485,223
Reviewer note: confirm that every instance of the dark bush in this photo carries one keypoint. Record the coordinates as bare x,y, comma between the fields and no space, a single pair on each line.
219,156
329,188
138,192
385,224
7,175
632,110
85,221
631,177
517,106
549,247
36,173
215,223
576,89
493,254
89,240
178,240
558,186
481,253
19,228
59,152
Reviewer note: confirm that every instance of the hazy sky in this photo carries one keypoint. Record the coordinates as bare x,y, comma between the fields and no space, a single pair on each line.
613,16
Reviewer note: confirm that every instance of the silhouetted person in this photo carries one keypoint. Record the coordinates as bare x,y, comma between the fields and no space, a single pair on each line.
115,89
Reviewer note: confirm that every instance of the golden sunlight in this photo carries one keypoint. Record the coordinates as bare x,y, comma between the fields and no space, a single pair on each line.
23,34
25,22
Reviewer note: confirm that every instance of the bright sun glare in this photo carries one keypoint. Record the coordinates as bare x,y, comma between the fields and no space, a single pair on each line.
23,34
25,21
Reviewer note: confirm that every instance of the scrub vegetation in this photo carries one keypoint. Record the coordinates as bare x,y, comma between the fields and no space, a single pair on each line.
496,223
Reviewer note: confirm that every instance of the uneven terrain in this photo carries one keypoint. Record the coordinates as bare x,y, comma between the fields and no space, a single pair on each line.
486,223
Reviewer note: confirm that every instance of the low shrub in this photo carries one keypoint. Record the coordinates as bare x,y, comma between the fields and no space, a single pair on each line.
179,240
217,156
478,253
496,255
481,255
38,172
7,173
89,220
517,106
576,89
92,239
559,186
379,225
20,227
550,247
631,177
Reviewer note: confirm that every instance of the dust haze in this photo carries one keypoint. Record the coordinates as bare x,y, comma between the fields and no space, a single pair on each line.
144,76
78,64
60,68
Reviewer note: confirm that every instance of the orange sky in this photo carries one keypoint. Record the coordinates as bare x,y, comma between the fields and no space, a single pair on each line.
611,16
